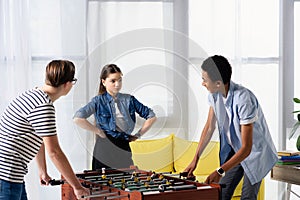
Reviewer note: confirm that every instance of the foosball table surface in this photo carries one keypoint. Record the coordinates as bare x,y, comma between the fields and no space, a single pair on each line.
135,184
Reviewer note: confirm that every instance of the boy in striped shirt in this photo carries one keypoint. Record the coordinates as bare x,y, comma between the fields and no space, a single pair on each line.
28,128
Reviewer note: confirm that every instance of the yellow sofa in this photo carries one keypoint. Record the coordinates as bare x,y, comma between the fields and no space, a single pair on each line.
173,154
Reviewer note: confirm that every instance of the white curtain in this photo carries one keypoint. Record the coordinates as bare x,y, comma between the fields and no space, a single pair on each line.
32,33
15,60
15,56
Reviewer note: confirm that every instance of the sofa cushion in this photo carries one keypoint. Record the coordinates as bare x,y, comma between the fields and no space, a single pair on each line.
184,152
155,155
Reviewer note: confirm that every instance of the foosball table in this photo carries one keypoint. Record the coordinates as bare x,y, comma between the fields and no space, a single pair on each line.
135,184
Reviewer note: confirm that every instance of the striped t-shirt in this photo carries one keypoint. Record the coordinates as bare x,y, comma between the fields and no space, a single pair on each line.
25,121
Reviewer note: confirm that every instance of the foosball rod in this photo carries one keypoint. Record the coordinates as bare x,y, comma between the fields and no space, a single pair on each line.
117,197
113,195
163,188
99,195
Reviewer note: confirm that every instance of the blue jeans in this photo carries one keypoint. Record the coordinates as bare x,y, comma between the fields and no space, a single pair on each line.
232,179
12,191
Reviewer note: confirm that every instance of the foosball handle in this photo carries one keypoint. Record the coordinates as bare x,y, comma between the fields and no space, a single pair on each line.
53,182
185,174
163,188
56,182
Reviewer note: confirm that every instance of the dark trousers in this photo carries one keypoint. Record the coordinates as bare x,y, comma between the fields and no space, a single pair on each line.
232,179
111,153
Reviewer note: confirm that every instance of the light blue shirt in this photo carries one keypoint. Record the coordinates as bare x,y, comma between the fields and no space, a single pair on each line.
244,108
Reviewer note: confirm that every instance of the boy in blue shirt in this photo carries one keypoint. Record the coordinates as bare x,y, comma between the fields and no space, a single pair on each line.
246,147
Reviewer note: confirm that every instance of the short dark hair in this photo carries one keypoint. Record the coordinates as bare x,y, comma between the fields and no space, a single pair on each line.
217,68
59,72
105,72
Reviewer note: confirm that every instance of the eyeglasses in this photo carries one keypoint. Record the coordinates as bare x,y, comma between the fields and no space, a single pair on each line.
74,81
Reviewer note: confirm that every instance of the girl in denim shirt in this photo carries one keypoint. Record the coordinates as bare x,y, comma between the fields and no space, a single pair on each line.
115,120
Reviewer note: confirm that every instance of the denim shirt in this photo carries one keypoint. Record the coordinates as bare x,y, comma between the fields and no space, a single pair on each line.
244,109
103,108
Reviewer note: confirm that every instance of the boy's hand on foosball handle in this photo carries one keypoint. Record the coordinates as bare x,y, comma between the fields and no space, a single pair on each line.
188,176
213,178
81,192
190,169
45,179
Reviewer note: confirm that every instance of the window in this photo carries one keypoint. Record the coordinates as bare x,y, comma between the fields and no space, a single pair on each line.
242,32
297,52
